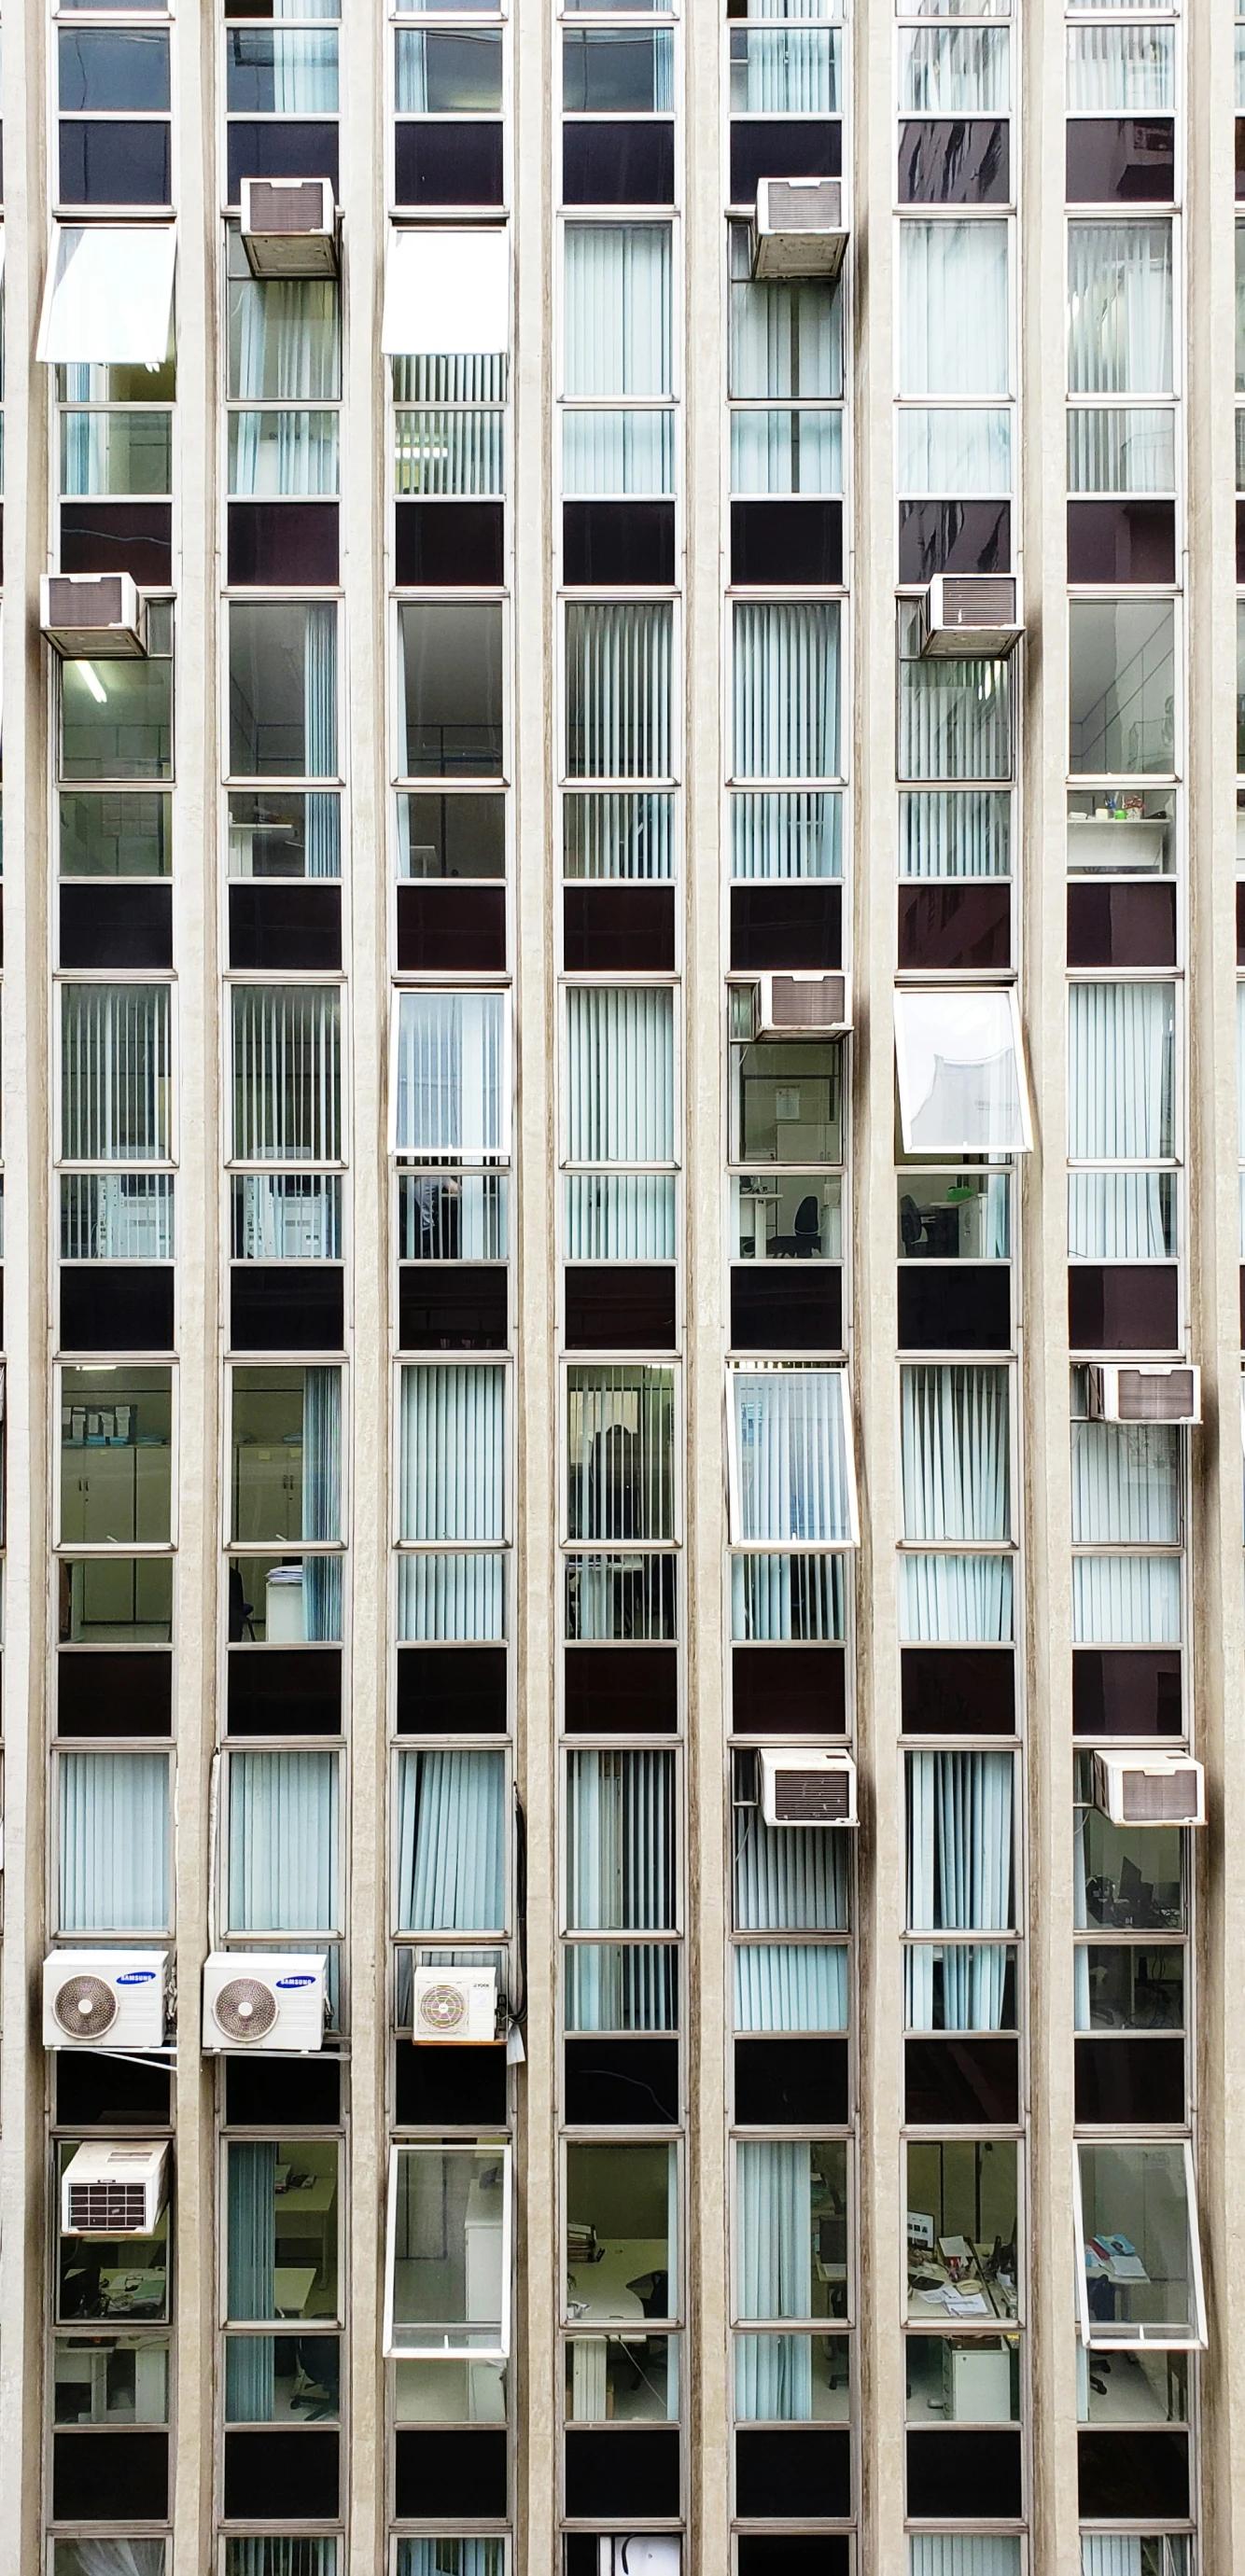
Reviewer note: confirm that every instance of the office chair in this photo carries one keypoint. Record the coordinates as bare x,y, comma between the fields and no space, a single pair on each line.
911,1223
241,1611
804,1241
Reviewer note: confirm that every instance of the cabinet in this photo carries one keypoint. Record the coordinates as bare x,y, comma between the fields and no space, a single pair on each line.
976,2382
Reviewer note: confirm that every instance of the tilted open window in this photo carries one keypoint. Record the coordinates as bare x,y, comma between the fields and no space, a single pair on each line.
109,296
447,2253
960,1061
1139,2263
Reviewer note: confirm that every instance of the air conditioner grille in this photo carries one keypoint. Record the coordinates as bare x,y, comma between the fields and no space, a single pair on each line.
443,2009
1163,1397
814,1005
1170,1800
245,2008
290,206
107,2208
812,1797
85,603
985,600
85,2007
803,209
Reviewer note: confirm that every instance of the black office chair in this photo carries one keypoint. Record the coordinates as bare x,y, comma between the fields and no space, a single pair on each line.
241,1611
911,1223
804,1241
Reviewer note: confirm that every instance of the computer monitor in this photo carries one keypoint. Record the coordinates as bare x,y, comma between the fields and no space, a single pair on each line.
1130,1878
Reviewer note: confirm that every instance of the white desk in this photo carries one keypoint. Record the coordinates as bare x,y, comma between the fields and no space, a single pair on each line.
291,2288
598,2293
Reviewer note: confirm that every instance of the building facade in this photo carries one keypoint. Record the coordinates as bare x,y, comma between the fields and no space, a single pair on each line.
622,1608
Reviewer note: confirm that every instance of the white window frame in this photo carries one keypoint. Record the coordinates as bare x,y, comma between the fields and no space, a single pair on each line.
498,2351
778,1544
1096,2334
925,997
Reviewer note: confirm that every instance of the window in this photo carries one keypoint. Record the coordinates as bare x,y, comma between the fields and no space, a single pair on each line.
1121,687
960,1879
621,1866
619,709
285,1466
792,1472
447,2256
1127,1517
452,1454
286,1074
960,1064
283,689
620,1453
792,2239
284,357
786,689
619,1110
281,2223
955,1448
113,83
451,1850
116,1433
1139,2268
1120,308
116,719
116,1073
621,2230
433,279
282,1863
954,723
962,2202
452,1076
781,74
114,1842
96,2274
955,322
1121,1110
450,689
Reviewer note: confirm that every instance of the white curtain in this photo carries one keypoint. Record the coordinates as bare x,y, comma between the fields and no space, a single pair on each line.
620,1842
785,336
617,323
286,1073
786,451
284,341
1125,1484
788,1878
960,452
786,836
619,1074
283,1842
953,308
955,1600
955,718
116,1073
780,1598
1121,1216
959,1880
955,1445
1121,1072
1122,71
452,1452
1120,308
790,1985
1131,450
955,833
620,1453
955,2553
1111,2553
625,1216
785,75
291,453
1126,1600
98,2557
793,1462
291,73
459,1597
954,71
114,1842
628,453
452,1074
619,709
451,1842
786,689
460,2556
620,835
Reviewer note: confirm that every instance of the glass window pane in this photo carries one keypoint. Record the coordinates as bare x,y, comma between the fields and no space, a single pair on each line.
786,336
1119,451
620,1074
1122,1988
962,2219
955,1444
462,1597
619,710
283,689
790,1599
282,1866
954,308
617,71
282,452
449,2250
117,2379
282,835
786,451
287,1217
628,453
1126,1601
281,71
621,2210
112,69
953,1216
965,452
284,2379
796,1216
955,1600
281,2254
785,75
285,1455
115,1601
286,1074
1122,71
460,452
608,2378
117,719
791,2221
961,1073
960,1869
791,1986
1120,308
286,1600
116,1073
788,1104
451,689
114,1842
452,1078
1142,2280
116,836
452,1469
1126,1877
621,1986
1122,1072
954,71
620,1453
444,74
793,2379
618,319
1121,701
451,1860
1125,1483
786,689
955,718
114,2278
284,335
116,1453
620,1842
116,452
791,1455
789,1878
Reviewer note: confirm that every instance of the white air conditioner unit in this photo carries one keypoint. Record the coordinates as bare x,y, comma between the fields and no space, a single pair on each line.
799,228
455,2005
803,1006
264,1999
803,1786
289,227
92,616
1150,1788
117,2187
967,615
1145,1394
104,1998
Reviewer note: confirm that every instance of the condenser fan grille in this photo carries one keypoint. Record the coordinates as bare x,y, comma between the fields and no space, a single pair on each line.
442,2008
245,2009
85,2007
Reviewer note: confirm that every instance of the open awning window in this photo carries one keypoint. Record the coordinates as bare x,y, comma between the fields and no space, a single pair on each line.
1139,2267
447,2254
109,297
792,1472
960,1061
447,292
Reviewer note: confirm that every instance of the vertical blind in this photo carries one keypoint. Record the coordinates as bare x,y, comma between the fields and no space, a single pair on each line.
774,2222
954,324
619,708
1121,1072
251,2290
790,1985
619,1074
618,335
620,1453
452,1078
786,836
955,1451
954,71
1125,1483
1122,71
114,1842
785,336
955,834
1120,308
793,1471
784,1597
621,1985
788,1878
459,1597
620,1842
955,1600
786,689
956,2553
965,452
1126,1601
959,1880
283,1868
272,2557
451,1842
452,1445
955,718
787,73
286,1074
116,1073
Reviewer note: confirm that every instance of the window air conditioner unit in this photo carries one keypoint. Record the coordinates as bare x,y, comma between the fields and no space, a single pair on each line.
289,227
1150,1788
264,1999
643,2553
799,228
115,2187
803,1006
803,1787
455,2005
969,615
104,1998
1145,1394
92,616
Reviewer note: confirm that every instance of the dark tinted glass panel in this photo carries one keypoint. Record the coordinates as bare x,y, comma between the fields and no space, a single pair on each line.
767,2553
956,926
958,1690
259,2093
451,1690
286,1690
454,836
119,536
617,1309
783,149
109,2092
629,542
1126,1690
114,165
1121,158
625,928
452,1308
621,1690
105,1307
625,2083
973,2476
291,1307
1115,541
788,1690
282,542
953,536
110,2477
1130,2081
619,164
113,69
961,2080
276,923
956,1308
631,2472
610,71
786,1306
802,2082
281,150
464,2087
1122,925
447,929
1126,1306
98,1693
463,2474
803,2472
1133,2476
116,925
452,686
281,2473
954,162
449,545
448,165
786,925
787,541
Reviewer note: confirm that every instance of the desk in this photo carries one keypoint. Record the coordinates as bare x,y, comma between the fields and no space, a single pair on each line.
925,2298
598,2293
292,2286
309,2215
133,2294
